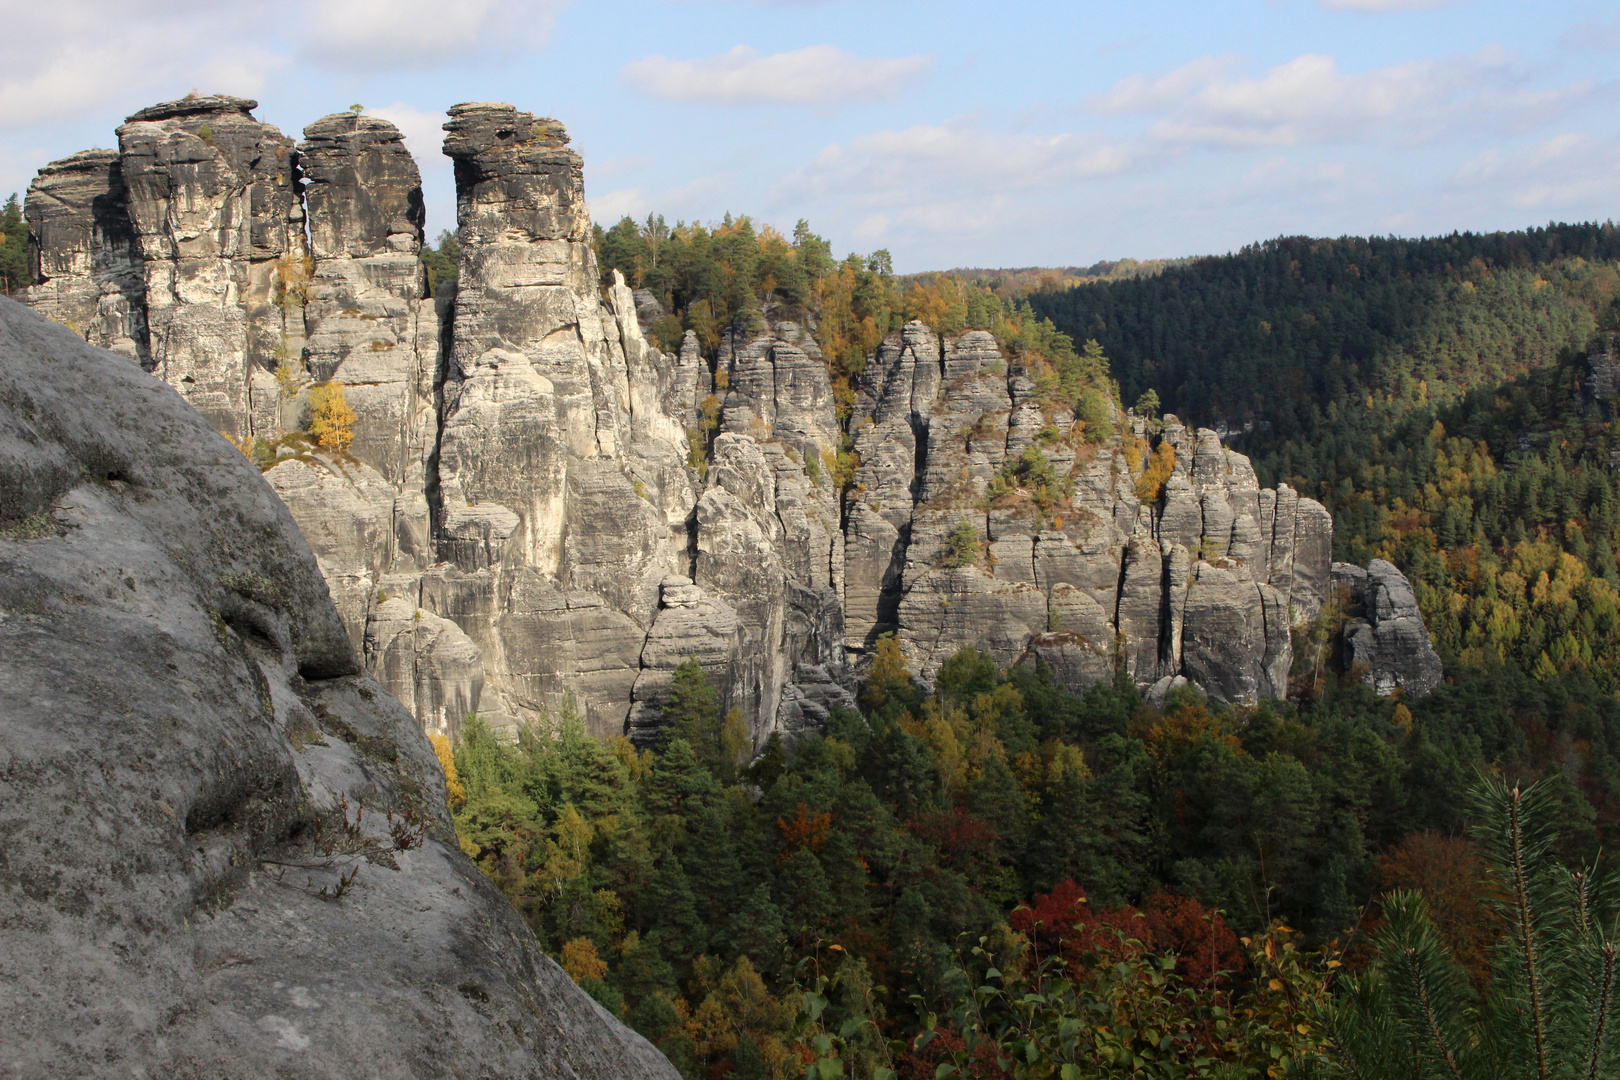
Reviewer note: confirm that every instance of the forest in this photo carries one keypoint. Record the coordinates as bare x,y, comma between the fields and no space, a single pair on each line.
1433,394
1200,875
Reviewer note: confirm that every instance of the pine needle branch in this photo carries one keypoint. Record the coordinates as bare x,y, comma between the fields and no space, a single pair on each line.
1601,1023
1521,901
1420,985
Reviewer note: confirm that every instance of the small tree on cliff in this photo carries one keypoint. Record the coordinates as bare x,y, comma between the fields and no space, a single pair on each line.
963,545
331,420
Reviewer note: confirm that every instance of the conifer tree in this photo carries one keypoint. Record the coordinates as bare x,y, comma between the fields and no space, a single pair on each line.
1548,1010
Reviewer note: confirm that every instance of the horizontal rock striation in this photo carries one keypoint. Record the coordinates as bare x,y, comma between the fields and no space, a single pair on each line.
537,504
189,743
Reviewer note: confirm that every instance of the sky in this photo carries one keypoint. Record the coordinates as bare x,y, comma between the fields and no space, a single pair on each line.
1003,134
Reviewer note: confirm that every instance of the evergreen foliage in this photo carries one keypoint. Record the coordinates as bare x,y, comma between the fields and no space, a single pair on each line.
442,264
1547,1009
1431,393
1079,839
15,272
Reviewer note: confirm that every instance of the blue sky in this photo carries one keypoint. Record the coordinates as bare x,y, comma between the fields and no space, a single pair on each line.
953,134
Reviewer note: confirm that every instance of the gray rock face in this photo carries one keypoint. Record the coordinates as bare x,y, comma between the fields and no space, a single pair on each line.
1384,635
187,730
367,322
539,504
219,227
84,254
1205,583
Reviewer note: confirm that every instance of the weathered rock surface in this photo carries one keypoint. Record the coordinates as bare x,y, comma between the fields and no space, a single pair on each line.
1203,583
219,227
538,503
183,718
82,250
1384,635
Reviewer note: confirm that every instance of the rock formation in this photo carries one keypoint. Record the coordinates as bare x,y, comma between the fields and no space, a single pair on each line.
189,741
538,504
1203,582
1384,636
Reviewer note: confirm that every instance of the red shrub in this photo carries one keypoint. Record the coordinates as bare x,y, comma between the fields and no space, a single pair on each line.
924,1064
1062,921
1199,937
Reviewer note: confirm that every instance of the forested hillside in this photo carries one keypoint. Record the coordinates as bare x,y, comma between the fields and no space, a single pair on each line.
751,917
1432,393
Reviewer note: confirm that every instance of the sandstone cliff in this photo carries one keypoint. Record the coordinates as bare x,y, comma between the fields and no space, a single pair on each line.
538,504
189,743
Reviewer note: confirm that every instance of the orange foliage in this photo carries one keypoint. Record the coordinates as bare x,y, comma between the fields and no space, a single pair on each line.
1179,727
1160,466
579,959
806,830
1450,874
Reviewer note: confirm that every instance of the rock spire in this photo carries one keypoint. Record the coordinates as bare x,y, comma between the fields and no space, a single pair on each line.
539,507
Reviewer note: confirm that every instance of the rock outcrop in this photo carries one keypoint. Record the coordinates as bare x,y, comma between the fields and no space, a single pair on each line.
189,740
1384,636
1072,568
82,245
539,504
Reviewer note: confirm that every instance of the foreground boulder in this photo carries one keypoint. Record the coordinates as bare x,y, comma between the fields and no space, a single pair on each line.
226,849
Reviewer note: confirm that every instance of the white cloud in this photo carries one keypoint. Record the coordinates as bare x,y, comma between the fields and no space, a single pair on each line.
1311,100
954,158
65,58
1561,176
817,75
423,131
936,183
371,35
693,200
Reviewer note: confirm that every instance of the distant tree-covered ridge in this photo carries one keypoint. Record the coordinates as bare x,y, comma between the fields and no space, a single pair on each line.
1432,393
1271,338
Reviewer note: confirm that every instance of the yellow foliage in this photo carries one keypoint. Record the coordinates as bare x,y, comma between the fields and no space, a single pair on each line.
294,283
636,764
1178,727
734,740
579,959
1049,764
1151,484
567,850
331,420
454,790
739,1004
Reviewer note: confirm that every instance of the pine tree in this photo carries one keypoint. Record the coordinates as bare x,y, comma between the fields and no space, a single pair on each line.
1549,1007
